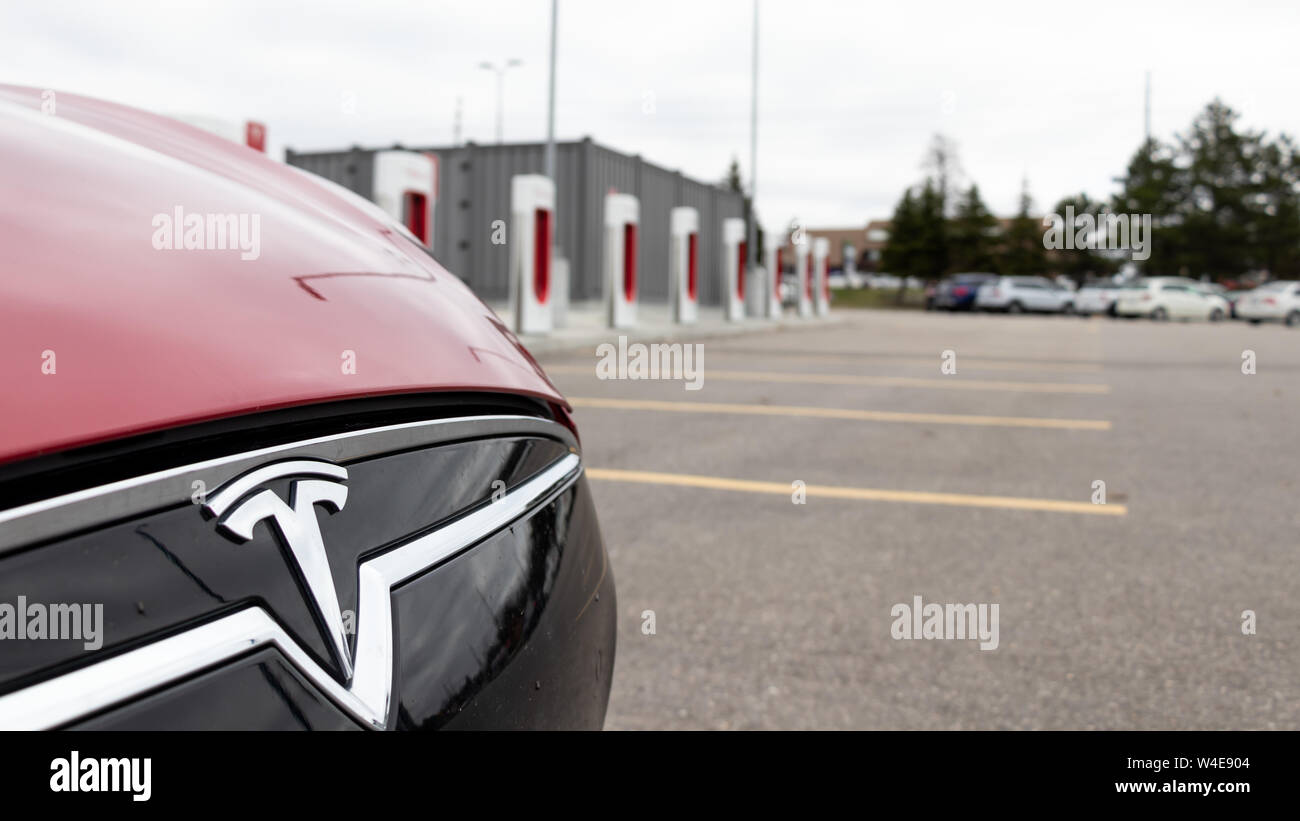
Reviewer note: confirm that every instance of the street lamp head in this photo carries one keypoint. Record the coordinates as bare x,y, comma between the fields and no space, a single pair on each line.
501,78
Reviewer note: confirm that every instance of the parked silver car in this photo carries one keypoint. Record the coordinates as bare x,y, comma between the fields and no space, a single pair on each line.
1277,301
1162,298
1096,298
1017,295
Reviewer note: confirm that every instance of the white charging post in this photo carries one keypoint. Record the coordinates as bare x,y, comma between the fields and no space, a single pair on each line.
733,266
532,216
821,282
622,216
684,263
405,185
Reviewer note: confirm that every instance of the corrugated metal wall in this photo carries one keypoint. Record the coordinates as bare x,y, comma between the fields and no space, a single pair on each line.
353,169
658,191
474,191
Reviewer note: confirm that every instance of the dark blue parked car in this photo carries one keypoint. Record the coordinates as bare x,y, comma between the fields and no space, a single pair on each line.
957,292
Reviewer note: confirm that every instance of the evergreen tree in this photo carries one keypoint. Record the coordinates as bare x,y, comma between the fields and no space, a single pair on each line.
1217,186
1082,264
1223,201
1151,185
918,238
1022,252
732,180
972,235
933,252
1276,210
901,249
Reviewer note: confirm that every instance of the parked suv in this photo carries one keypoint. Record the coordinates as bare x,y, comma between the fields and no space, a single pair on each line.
1017,295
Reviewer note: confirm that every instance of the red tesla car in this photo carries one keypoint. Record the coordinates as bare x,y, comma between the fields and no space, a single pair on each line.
264,463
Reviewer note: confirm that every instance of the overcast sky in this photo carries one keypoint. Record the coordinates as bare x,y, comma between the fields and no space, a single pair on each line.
849,92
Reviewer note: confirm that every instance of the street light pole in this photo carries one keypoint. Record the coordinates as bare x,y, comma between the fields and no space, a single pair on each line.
1146,110
550,109
754,256
501,76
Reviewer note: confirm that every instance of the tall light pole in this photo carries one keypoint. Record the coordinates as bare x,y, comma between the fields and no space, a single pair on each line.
501,76
754,256
1146,110
550,107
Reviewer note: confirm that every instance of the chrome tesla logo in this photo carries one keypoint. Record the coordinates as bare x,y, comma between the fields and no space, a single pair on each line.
239,506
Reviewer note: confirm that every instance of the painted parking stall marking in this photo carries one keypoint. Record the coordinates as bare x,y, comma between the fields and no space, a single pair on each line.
949,383
857,493
840,413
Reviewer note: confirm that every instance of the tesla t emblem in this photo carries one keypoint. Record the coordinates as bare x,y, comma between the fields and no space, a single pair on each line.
244,502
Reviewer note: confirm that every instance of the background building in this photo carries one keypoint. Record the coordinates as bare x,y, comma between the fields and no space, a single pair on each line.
473,192
867,241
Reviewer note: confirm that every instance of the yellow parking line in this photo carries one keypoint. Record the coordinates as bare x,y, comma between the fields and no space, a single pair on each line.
943,383
963,362
857,493
840,413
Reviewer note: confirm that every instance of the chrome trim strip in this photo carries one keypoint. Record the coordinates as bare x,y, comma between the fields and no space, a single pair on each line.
99,505
61,700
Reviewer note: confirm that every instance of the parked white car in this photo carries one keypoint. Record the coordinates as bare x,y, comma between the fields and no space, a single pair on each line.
1170,298
1017,295
1272,301
1096,299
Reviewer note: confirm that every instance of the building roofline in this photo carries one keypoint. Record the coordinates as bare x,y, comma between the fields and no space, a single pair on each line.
534,144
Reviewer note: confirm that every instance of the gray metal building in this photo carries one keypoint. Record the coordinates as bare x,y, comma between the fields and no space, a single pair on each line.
474,191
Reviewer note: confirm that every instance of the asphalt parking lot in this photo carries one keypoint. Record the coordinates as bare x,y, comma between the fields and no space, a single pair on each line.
960,488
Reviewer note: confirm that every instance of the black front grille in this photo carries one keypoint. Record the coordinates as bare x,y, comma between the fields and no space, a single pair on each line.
165,570
159,572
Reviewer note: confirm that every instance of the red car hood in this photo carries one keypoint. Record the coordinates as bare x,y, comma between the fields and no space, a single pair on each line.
103,335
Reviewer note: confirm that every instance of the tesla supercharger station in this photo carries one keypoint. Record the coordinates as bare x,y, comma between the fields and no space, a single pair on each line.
406,186
772,260
803,268
733,266
821,285
622,215
249,132
684,263
532,216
